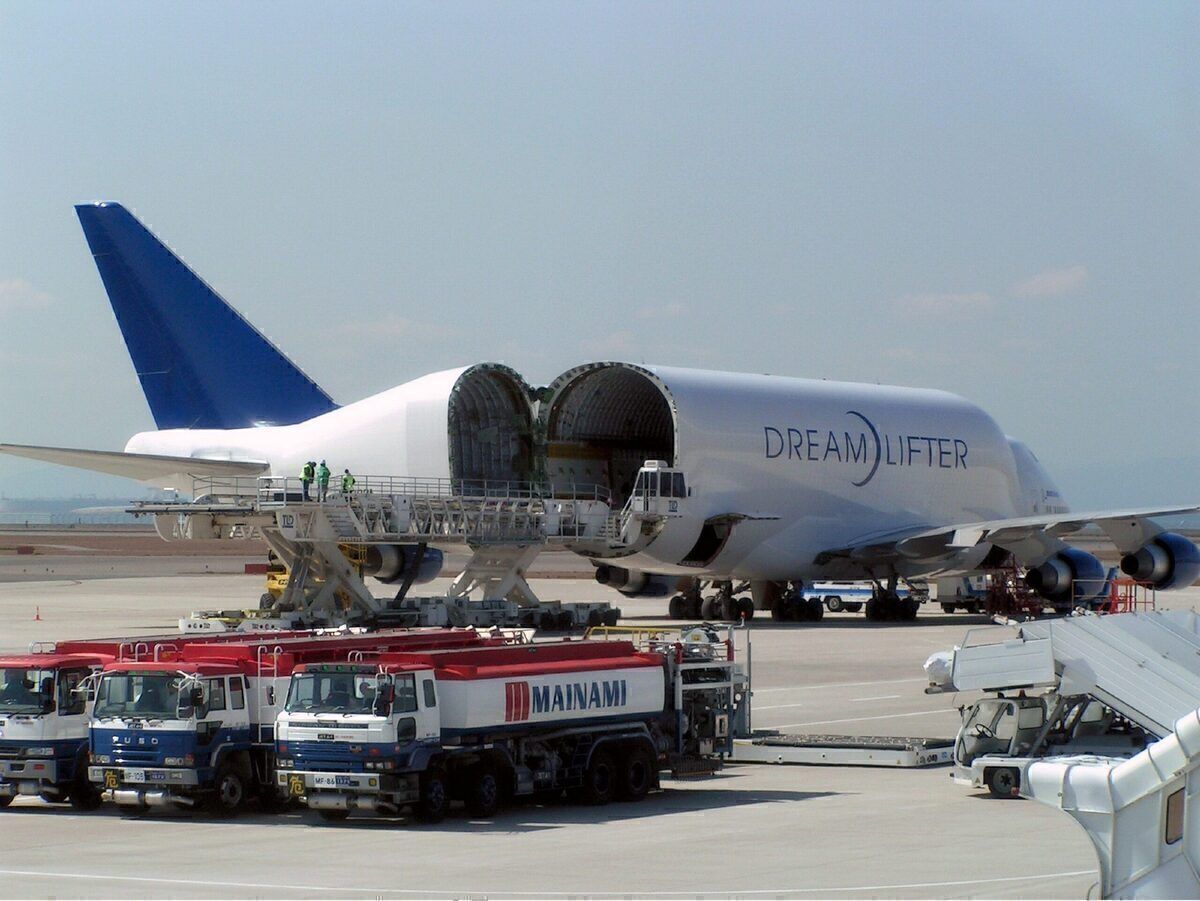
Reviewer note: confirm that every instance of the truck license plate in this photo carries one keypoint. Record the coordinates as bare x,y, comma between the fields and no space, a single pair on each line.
328,780
135,775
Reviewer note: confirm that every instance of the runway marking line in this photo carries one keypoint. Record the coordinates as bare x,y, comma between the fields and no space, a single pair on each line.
876,698
286,887
763,691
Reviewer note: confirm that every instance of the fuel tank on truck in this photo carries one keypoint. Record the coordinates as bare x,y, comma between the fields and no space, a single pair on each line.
487,690
779,468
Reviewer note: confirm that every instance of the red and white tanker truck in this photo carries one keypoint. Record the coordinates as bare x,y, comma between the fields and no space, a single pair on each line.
598,719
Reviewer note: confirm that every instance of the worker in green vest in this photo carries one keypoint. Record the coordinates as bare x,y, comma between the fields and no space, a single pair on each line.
306,476
347,482
322,481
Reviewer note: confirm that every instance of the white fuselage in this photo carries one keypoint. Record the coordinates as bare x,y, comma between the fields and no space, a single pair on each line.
799,466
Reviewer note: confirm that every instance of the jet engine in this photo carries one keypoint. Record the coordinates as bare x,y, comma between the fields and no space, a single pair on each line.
1053,578
1166,561
635,583
390,563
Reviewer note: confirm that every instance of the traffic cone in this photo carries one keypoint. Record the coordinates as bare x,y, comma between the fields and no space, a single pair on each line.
37,614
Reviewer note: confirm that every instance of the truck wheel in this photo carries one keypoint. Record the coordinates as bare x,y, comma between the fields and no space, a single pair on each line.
5,800
272,801
834,604
434,800
1004,782
637,776
267,601
483,793
84,795
675,607
600,780
333,816
229,792
746,608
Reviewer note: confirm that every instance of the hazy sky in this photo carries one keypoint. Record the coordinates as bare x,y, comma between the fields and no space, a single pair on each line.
1002,200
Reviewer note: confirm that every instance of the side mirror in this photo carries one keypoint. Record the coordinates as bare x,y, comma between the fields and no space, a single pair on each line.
271,695
196,697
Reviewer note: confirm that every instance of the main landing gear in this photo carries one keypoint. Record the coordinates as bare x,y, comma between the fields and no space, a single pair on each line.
792,606
724,605
887,605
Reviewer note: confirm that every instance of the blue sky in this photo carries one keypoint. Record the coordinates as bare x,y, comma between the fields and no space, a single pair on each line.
996,199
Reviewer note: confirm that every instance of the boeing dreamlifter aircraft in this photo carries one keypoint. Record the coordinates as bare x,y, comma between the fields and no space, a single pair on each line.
772,481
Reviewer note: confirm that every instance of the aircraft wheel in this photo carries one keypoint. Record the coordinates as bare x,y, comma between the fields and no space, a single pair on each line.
675,607
611,616
854,607
594,618
873,611
708,608
546,621
746,608
729,608
692,607
564,622
909,608
816,610
779,610
5,800
948,608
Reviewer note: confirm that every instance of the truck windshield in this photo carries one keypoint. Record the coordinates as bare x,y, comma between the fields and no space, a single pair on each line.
25,690
147,695
332,693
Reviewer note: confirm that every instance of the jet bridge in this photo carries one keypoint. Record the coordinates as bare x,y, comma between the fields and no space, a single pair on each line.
328,544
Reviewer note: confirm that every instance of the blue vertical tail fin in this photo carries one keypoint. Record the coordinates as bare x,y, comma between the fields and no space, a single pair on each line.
200,363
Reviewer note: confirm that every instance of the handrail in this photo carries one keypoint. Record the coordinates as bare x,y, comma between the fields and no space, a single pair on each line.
280,490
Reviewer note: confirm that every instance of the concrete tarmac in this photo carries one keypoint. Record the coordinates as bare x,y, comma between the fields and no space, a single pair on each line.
750,831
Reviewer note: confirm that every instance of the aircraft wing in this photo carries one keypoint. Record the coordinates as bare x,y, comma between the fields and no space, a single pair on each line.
1030,538
156,469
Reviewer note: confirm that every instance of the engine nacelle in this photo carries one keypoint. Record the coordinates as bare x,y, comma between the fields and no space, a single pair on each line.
1166,561
1054,578
635,583
390,563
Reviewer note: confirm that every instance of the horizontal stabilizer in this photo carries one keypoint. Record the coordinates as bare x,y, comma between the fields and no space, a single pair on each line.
157,469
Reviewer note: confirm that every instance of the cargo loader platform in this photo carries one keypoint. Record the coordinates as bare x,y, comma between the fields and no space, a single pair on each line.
842,750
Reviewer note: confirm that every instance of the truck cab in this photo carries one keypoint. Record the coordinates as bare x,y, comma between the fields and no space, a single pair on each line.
357,730
172,734
44,707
